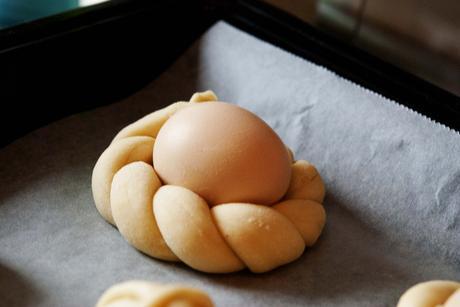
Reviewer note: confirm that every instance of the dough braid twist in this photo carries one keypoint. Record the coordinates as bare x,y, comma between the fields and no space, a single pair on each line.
436,293
138,293
182,227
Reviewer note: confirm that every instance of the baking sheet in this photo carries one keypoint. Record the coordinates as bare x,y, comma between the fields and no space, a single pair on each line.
392,177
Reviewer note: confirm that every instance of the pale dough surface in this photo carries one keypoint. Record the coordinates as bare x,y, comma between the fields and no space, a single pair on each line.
306,182
436,293
188,228
175,224
263,238
138,293
131,197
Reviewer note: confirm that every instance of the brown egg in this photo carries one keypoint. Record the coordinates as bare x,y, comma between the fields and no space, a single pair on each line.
223,153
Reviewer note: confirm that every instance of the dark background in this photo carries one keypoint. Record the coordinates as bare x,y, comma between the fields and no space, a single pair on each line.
55,64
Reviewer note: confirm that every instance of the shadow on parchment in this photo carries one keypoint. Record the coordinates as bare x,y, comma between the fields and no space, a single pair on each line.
15,289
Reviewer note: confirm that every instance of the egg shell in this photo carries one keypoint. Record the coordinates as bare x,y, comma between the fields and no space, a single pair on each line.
224,153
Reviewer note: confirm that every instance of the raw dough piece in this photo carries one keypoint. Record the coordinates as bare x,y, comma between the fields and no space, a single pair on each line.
436,293
131,197
263,238
138,293
307,216
117,155
306,182
188,228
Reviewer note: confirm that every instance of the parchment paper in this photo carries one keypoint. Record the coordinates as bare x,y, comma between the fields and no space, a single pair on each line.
392,177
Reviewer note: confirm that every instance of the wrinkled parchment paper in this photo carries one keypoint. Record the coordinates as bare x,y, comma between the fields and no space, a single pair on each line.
392,177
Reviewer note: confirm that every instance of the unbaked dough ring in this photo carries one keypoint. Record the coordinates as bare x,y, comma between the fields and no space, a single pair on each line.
138,293
175,224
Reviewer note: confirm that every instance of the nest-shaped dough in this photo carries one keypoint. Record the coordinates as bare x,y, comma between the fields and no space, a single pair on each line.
137,293
435,293
182,227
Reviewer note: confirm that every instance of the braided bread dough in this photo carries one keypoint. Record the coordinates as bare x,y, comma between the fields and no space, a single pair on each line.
436,293
181,226
138,293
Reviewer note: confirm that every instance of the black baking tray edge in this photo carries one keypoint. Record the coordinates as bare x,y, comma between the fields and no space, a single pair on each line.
93,56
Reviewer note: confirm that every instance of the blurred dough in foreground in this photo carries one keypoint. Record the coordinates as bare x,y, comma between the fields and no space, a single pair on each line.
137,293
435,293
